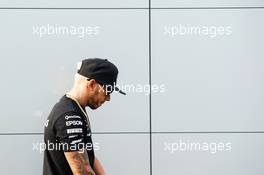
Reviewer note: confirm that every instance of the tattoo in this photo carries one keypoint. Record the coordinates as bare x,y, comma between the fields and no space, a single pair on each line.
79,163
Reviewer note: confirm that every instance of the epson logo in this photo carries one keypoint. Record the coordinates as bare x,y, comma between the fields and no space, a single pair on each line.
74,123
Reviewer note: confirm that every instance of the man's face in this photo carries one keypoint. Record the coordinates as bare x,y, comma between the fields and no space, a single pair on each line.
98,96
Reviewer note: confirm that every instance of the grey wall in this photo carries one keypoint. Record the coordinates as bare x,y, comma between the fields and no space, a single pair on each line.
208,120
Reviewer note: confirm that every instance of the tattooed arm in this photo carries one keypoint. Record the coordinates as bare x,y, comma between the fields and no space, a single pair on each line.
79,163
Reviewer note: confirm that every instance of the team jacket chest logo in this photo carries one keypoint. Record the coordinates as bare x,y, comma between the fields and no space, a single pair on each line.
74,123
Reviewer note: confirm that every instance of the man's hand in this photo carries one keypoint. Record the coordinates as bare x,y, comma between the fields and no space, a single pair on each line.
79,162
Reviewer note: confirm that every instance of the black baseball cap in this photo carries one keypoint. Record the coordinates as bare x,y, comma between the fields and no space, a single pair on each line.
102,71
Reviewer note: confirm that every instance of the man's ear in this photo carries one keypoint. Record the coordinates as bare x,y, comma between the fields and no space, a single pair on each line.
91,84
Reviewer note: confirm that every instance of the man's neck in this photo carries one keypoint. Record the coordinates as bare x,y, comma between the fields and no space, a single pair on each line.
76,96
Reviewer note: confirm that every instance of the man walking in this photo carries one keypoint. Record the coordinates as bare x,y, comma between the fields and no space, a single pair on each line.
67,133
